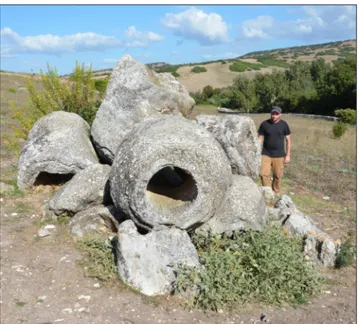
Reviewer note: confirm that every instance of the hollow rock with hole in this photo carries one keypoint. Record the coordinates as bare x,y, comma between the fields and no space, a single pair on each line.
238,137
98,219
87,188
147,262
58,144
169,171
135,92
243,208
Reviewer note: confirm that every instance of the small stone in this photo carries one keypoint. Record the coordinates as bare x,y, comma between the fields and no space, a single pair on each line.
97,285
13,214
47,230
220,311
87,298
326,198
67,310
327,292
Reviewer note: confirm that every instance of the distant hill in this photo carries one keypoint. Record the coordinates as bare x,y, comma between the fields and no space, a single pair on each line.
221,73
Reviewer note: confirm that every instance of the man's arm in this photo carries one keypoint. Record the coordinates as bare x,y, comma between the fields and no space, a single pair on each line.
287,156
260,138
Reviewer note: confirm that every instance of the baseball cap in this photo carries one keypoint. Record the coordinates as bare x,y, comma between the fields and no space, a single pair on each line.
276,109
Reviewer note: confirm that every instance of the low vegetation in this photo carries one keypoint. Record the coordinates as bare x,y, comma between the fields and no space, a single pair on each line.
98,260
198,69
241,66
266,267
270,61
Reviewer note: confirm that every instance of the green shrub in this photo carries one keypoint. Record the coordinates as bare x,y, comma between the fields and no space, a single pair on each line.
99,259
101,85
266,267
12,90
339,129
198,69
175,74
76,95
346,254
347,116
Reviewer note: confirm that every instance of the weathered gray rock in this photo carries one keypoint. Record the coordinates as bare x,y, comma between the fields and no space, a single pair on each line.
58,144
169,171
268,194
47,230
135,92
87,188
318,246
147,262
96,219
242,209
238,137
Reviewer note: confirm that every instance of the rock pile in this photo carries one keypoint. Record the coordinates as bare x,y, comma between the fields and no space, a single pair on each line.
156,176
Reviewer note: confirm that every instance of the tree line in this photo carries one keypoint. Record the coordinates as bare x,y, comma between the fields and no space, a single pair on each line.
309,88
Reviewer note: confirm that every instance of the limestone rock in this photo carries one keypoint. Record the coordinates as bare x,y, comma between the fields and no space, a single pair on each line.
169,171
96,219
242,209
147,262
318,246
58,144
238,137
87,188
135,92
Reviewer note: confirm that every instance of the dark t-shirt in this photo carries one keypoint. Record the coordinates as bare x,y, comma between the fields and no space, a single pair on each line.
274,134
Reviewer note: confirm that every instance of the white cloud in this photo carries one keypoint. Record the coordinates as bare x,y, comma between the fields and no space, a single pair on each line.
141,39
175,53
257,27
55,45
316,24
195,24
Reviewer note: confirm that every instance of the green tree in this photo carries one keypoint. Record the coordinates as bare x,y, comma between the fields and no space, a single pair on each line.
243,94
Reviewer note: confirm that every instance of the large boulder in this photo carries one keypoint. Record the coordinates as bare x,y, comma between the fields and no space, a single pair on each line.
238,137
87,188
243,208
147,262
58,144
169,171
135,92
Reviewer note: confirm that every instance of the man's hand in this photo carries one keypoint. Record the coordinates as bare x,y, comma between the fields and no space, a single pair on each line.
287,159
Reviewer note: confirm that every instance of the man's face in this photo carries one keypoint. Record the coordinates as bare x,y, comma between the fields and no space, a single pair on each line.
275,116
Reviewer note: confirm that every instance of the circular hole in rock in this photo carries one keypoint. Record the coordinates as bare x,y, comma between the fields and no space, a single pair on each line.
171,187
46,179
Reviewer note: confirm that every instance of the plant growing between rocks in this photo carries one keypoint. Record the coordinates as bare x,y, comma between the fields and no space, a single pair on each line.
266,267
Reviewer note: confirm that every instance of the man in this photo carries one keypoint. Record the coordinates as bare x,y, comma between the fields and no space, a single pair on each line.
272,133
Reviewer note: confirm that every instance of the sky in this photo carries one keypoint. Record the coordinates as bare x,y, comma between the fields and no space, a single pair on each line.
33,36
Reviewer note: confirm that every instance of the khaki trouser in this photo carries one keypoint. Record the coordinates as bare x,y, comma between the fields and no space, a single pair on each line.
276,165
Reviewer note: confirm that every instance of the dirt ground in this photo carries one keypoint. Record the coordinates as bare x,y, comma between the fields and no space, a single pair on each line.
42,282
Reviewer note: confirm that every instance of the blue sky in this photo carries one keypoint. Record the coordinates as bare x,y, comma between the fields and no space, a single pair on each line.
32,36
